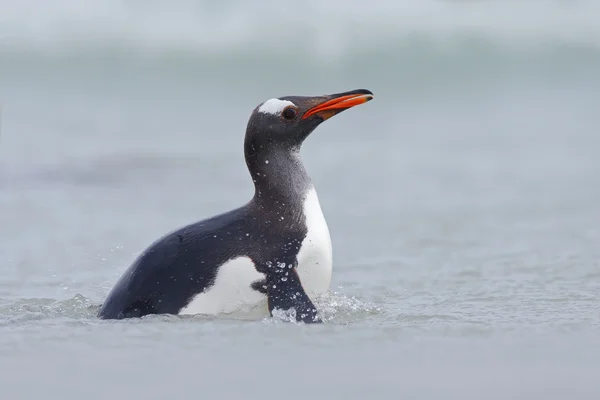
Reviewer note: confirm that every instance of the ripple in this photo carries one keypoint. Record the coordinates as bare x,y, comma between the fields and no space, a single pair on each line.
334,307
29,309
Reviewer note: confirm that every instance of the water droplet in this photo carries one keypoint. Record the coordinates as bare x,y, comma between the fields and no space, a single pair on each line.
274,286
266,161
283,279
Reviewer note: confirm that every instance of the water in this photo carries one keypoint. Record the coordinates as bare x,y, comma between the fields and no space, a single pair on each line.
462,201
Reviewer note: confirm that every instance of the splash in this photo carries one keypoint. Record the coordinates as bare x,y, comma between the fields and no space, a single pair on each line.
340,308
335,308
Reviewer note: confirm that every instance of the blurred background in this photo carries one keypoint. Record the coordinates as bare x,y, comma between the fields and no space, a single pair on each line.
463,202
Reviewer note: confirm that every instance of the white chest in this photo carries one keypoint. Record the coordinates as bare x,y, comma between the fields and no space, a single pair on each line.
315,256
231,291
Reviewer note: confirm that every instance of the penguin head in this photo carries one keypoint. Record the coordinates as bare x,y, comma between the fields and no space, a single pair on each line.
287,121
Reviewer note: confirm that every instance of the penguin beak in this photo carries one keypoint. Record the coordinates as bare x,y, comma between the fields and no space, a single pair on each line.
328,106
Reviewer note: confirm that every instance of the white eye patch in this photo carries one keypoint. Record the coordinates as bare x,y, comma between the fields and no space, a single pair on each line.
274,106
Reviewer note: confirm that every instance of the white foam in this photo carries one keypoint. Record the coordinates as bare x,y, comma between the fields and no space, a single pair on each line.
168,26
231,291
315,256
274,106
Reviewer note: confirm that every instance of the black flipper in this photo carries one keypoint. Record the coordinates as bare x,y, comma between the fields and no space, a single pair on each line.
285,292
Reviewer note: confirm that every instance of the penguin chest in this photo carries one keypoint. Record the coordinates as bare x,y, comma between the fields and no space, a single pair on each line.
315,254
231,291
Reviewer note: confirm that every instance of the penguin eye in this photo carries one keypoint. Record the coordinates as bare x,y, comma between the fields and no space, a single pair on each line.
289,113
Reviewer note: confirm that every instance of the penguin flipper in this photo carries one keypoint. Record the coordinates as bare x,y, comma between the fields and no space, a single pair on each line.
285,292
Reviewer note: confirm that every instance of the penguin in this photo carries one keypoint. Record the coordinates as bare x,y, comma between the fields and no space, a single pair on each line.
275,250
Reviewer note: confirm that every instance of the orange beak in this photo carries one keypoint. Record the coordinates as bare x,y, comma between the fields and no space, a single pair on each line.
338,103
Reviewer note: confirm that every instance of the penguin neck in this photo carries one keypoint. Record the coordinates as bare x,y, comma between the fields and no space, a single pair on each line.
278,174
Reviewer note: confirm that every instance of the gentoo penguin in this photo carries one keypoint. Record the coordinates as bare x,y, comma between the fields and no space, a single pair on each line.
275,248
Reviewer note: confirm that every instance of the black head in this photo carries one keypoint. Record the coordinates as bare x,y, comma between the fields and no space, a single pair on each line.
278,127
287,121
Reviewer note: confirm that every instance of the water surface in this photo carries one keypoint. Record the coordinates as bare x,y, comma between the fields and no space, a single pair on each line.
463,202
